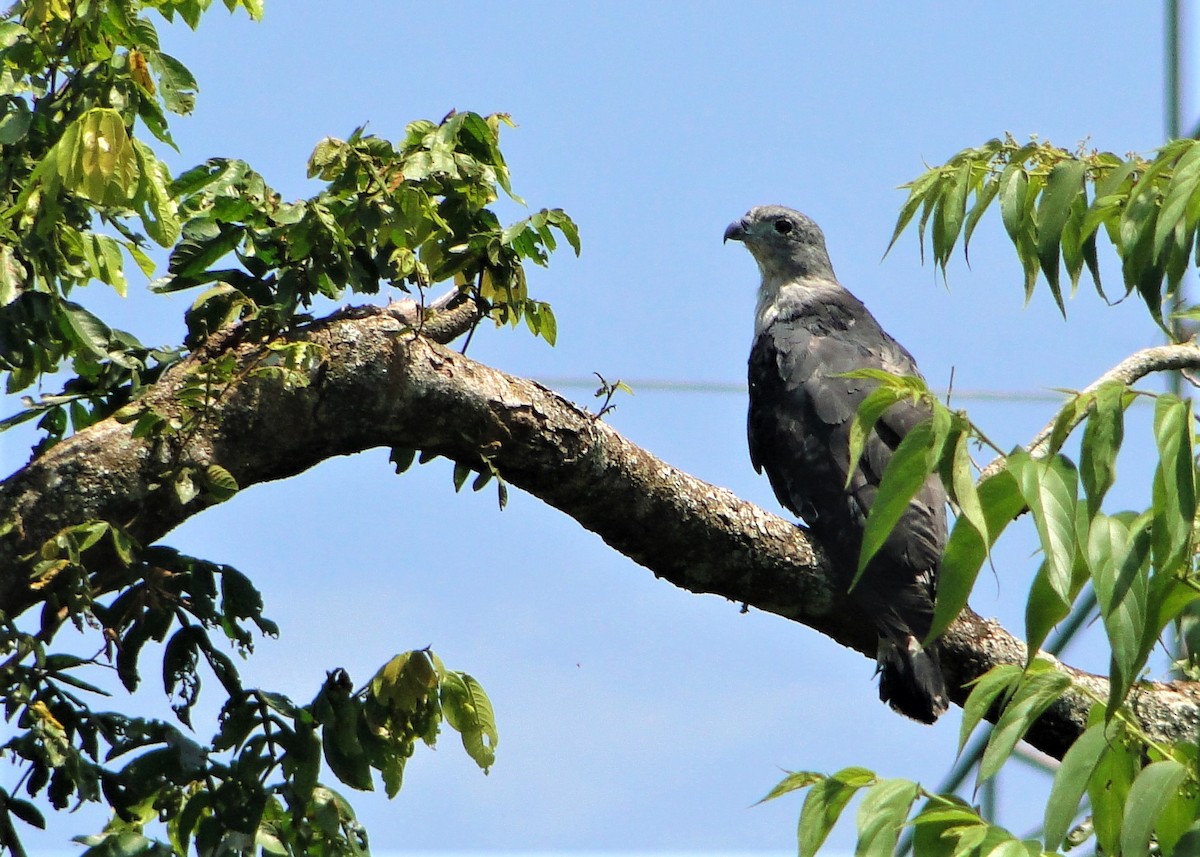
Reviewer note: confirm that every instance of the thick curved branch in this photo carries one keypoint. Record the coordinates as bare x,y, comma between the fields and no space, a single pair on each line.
1160,358
381,384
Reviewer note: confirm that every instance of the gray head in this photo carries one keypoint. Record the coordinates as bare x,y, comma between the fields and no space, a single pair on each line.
786,244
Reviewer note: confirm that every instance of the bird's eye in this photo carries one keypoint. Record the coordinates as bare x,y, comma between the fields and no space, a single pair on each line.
783,227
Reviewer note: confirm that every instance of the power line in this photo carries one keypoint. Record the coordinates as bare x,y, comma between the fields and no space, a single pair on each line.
724,388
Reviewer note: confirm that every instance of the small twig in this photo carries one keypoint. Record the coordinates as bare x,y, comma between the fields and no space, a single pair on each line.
470,336
420,305
608,390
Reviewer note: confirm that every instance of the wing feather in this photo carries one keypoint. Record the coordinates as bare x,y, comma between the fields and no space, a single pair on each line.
799,432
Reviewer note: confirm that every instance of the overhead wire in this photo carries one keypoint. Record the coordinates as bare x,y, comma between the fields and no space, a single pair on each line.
669,385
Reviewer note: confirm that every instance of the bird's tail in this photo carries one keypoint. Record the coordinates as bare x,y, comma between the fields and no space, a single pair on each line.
911,681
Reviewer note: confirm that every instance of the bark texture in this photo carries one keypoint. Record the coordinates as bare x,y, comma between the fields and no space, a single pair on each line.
383,383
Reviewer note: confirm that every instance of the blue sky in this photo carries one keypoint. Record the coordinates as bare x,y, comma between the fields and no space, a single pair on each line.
634,716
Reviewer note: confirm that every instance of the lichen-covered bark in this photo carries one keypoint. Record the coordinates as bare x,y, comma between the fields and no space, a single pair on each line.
382,384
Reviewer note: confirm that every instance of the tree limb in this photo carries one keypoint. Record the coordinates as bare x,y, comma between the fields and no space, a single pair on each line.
381,384
1160,358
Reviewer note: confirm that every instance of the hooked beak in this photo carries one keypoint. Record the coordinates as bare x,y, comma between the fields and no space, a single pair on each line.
735,231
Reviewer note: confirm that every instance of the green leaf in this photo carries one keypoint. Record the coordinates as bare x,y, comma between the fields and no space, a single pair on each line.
919,190
203,244
948,215
1044,609
794,781
1076,249
968,837
468,710
101,164
1184,183
962,486
824,804
1041,685
87,333
932,827
15,121
1149,794
155,204
1071,783
998,681
176,83
910,465
881,817
1118,558
983,198
481,481
23,810
462,471
402,458
1014,184
872,407
12,276
185,486
1111,192
1102,436
568,228
220,483
1174,490
966,549
949,831
1063,186
1050,488
1011,848
549,325
342,749
180,680
1109,787
107,262
1176,819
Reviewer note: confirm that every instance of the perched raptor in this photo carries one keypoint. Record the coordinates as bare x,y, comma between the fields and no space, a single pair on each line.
808,330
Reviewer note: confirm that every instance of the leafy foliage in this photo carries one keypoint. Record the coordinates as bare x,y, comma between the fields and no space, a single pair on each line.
404,215
1149,210
85,95
407,216
945,825
82,86
219,793
1133,806
1144,795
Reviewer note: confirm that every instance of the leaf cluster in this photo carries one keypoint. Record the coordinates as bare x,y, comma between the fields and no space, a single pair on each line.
406,216
940,444
1144,797
1139,564
79,192
944,826
257,785
82,195
1054,203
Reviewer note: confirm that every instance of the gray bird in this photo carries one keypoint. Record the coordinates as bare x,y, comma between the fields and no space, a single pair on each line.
808,329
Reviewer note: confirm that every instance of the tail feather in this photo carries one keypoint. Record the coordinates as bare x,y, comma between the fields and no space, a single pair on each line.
911,681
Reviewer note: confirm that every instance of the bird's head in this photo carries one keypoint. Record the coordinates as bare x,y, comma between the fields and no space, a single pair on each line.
786,244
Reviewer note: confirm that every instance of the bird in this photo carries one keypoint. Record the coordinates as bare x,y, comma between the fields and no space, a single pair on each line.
808,331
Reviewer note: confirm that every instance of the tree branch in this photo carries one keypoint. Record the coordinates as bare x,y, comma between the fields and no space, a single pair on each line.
1160,358
381,384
